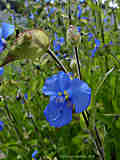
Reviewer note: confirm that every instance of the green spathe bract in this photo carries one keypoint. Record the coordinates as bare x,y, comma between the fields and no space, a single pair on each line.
30,45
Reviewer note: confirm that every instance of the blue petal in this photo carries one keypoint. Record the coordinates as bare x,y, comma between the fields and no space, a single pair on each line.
53,20
97,42
58,54
1,70
34,153
54,43
7,30
90,36
64,81
79,7
79,28
57,83
51,86
52,10
57,47
26,96
1,125
79,14
58,112
110,42
56,36
31,16
81,95
93,51
61,40
1,45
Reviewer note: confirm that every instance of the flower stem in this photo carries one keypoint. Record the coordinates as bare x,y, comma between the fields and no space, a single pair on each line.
13,120
96,140
52,54
70,20
114,16
78,63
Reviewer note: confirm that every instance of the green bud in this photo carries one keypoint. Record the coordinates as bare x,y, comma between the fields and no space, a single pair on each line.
73,36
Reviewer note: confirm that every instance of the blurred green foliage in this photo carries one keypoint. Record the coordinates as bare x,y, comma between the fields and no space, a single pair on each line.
25,127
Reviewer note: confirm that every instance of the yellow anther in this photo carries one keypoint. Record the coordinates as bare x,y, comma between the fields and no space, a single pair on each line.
66,94
59,94
66,97
71,77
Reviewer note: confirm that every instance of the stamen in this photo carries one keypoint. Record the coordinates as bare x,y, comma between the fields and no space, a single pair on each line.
59,94
66,97
71,77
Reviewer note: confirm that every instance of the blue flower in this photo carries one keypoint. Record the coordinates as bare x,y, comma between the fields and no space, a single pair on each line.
93,51
58,54
31,16
1,70
61,40
57,42
26,96
97,43
2,45
65,93
56,36
6,30
53,20
79,12
52,10
110,43
90,36
1,125
79,28
56,46
34,154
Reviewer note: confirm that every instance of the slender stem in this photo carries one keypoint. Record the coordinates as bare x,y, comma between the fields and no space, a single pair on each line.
70,20
13,120
97,135
35,126
103,37
114,16
85,119
31,118
78,63
87,114
97,140
52,54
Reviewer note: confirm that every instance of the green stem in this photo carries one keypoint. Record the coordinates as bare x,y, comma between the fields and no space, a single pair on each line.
114,16
52,54
97,140
13,120
70,20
